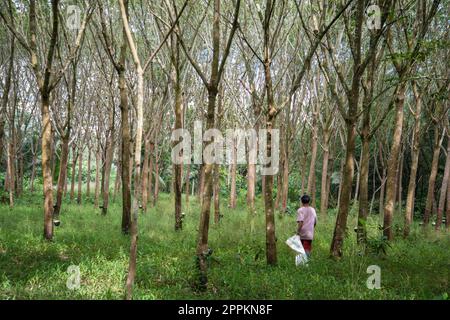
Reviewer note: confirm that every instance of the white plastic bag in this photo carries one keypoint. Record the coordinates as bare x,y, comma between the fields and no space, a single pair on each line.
295,244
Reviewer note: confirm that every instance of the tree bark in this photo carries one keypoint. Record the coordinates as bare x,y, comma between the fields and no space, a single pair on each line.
62,176
46,167
144,178
325,174
186,187
410,198
88,176
312,165
74,162
216,193
126,138
109,154
177,184
80,175
444,187
150,173
156,187
433,174
233,177
391,179
97,176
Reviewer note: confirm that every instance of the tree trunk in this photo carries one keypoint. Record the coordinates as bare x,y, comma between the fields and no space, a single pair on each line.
312,165
46,166
11,168
216,193
74,163
447,218
345,191
97,176
251,184
433,174
62,176
88,176
233,178
303,173
202,244
156,189
150,173
400,184
325,174
415,150
186,188
177,185
109,154
444,187
126,138
145,175
4,106
80,175
364,183
33,172
393,163
279,187
271,245
285,182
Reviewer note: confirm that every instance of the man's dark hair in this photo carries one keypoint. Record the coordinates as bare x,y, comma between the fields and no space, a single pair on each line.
305,199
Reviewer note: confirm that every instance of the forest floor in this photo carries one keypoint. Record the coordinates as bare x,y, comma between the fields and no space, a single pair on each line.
31,268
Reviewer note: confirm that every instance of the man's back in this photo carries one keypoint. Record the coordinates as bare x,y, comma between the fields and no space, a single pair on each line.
308,216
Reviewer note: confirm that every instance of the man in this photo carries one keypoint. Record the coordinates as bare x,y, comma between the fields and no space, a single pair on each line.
306,220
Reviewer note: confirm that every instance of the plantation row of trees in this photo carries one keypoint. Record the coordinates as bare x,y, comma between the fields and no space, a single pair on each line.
359,94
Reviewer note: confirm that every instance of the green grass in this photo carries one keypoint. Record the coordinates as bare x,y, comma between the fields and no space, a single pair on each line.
31,268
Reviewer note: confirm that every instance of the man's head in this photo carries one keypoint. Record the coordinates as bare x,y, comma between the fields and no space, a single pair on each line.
305,200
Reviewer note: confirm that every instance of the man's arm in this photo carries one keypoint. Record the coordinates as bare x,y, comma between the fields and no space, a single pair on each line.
300,225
